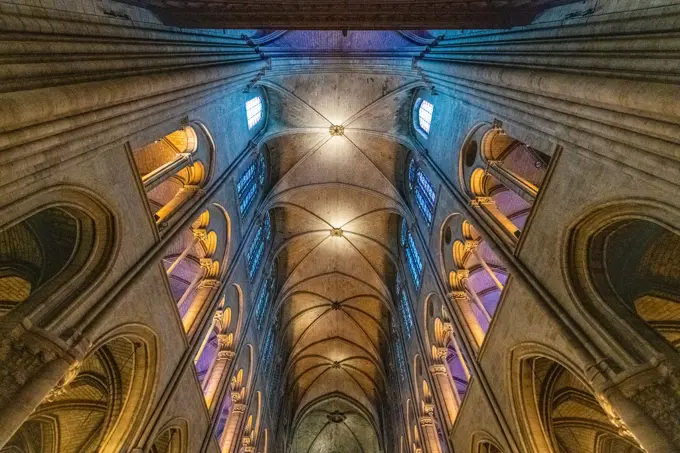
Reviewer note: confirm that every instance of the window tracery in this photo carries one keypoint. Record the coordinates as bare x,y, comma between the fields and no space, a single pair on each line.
400,356
415,264
421,188
264,298
249,183
254,111
404,307
425,112
256,250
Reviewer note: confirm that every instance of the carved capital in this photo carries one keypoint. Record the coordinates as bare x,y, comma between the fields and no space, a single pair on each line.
462,274
224,341
226,355
200,233
62,386
218,316
426,420
479,201
457,296
469,246
438,369
615,420
238,407
209,283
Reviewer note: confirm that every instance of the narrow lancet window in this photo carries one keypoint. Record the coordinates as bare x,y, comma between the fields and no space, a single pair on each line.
254,111
423,192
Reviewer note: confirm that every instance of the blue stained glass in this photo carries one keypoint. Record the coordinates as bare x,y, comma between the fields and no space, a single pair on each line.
248,184
264,299
404,230
425,112
404,307
256,249
254,111
424,194
415,264
401,359
261,169
267,351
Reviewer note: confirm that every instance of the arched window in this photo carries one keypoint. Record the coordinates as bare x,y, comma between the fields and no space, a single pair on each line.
53,251
404,307
415,265
422,190
268,349
477,277
171,171
249,183
254,111
256,250
425,110
205,359
400,356
192,267
503,177
95,406
264,298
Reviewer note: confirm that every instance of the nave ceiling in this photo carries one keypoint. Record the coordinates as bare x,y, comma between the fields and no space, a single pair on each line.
337,207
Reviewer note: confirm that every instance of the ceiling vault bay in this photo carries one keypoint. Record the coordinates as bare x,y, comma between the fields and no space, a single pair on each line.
337,206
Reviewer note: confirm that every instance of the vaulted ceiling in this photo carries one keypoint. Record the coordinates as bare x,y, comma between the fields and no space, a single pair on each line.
337,207
352,14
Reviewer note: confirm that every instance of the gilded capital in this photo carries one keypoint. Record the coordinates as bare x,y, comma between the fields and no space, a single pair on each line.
438,368
209,283
426,420
458,296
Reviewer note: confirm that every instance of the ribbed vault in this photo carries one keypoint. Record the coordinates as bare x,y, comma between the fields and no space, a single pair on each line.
337,209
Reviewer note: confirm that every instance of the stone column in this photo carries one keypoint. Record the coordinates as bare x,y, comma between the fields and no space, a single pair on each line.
446,388
431,439
524,189
487,207
462,300
224,358
160,174
456,346
203,293
172,207
200,234
472,247
230,437
36,373
645,409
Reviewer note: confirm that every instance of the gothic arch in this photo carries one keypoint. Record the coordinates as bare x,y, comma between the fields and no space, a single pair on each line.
99,405
483,442
635,296
173,168
173,437
555,408
62,237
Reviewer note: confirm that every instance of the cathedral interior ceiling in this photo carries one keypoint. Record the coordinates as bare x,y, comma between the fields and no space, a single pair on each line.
373,14
337,208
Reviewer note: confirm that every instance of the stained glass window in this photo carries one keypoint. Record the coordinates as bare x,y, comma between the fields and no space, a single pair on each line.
256,249
423,192
264,299
404,308
254,111
415,264
399,354
249,183
425,111
268,351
